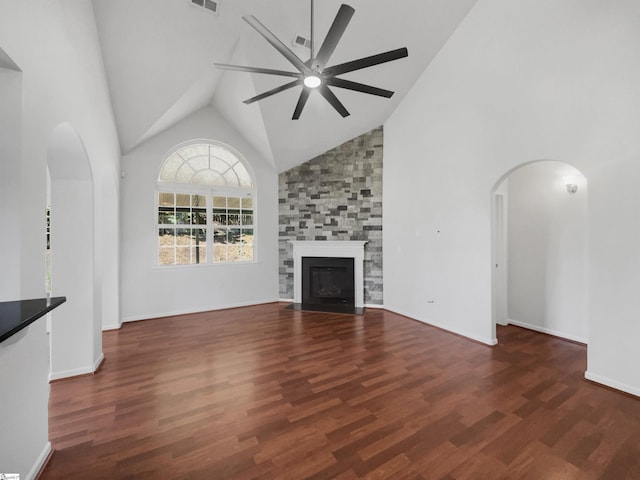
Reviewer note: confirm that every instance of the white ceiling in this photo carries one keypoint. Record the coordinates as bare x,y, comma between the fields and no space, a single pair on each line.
159,57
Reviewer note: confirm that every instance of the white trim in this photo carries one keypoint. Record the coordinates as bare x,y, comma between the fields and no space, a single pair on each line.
75,372
370,305
98,362
594,377
213,308
329,248
548,331
39,463
113,326
486,340
286,300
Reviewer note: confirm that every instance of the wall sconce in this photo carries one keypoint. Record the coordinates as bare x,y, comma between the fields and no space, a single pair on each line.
570,182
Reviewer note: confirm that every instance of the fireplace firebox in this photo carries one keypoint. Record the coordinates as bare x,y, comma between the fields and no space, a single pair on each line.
328,281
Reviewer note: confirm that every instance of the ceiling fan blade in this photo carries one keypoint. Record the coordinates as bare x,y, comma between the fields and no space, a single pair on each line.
333,100
277,44
302,101
273,91
358,87
268,71
366,62
339,25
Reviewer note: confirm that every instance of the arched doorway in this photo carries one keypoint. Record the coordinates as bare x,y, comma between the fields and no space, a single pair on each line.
539,249
76,340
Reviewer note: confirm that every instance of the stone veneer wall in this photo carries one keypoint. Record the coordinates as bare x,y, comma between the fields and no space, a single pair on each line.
335,196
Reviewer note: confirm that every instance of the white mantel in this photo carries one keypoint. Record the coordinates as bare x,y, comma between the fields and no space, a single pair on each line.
329,248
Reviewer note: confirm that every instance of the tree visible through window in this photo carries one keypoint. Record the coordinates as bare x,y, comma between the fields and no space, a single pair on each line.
205,207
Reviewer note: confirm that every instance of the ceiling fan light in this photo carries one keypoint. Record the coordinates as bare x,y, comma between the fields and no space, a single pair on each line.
312,81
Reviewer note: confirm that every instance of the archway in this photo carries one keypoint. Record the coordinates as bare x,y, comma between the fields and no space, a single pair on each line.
76,340
539,249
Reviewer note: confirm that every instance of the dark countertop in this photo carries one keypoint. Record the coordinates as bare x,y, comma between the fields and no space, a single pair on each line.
16,315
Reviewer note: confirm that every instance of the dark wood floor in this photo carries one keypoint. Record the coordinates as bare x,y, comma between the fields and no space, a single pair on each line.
263,392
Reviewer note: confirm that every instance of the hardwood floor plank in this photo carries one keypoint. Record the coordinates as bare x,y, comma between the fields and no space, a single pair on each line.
267,393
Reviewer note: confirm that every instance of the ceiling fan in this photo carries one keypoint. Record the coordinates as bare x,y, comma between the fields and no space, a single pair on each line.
314,74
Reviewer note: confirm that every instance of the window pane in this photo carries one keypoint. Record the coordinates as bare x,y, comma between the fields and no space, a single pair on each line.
247,203
200,253
184,174
219,253
200,162
165,256
231,178
219,219
233,202
183,216
234,235
194,150
166,216
200,217
166,246
233,219
247,236
200,235
247,219
199,201
165,237
183,255
170,167
243,176
220,202
219,165
165,199
219,235
183,200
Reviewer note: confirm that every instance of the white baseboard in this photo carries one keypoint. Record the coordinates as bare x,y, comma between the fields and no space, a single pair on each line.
39,463
137,318
74,372
548,331
106,328
98,362
594,377
286,300
462,333
374,306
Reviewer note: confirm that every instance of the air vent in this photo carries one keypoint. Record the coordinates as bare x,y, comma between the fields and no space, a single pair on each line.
300,41
212,6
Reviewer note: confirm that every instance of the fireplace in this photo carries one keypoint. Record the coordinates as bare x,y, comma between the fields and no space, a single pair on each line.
328,281
347,257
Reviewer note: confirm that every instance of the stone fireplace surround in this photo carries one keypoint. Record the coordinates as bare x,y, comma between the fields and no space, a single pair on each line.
329,248
336,196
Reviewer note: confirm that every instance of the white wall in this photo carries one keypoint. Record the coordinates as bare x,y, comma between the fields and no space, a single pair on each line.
150,291
55,44
10,173
547,250
518,82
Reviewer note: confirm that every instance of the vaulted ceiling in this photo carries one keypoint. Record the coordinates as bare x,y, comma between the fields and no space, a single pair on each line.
159,57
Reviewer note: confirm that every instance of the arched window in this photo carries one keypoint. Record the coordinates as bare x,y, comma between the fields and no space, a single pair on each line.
205,207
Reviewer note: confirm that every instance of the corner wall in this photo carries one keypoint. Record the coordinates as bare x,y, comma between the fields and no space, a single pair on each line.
336,196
